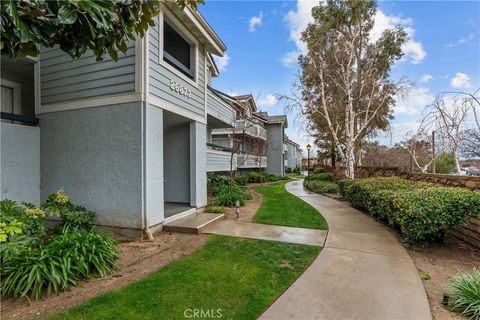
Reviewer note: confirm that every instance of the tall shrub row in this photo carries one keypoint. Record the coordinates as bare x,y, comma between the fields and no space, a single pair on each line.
422,212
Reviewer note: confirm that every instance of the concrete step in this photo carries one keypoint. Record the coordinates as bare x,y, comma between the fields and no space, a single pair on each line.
194,223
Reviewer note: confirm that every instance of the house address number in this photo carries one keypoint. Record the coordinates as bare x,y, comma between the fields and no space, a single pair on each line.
178,88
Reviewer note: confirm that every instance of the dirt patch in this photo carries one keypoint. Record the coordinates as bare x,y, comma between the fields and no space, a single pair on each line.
137,260
442,261
251,207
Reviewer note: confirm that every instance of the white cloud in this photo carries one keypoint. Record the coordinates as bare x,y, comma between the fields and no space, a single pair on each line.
401,129
269,100
222,62
414,103
255,21
290,58
413,49
299,19
425,78
468,38
461,80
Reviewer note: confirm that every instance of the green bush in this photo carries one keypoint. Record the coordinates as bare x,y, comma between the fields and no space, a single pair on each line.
36,258
229,195
465,294
422,212
321,177
215,180
318,170
319,186
241,180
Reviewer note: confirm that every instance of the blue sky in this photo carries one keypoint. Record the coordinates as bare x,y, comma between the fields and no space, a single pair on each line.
262,38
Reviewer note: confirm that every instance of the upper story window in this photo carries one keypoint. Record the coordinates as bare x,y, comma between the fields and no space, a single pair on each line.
177,50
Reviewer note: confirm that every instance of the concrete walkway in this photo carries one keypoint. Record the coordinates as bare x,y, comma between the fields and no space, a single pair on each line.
268,232
362,273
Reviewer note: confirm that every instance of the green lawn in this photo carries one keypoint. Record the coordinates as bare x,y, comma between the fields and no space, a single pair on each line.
282,208
295,175
241,277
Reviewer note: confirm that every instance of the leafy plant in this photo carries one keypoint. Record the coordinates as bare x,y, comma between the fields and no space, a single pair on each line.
75,25
33,261
229,195
465,294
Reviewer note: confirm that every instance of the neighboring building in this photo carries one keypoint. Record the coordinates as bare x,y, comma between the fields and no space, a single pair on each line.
133,139
293,155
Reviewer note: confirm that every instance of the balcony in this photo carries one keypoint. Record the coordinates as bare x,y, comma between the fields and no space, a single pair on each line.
244,126
220,114
251,161
218,158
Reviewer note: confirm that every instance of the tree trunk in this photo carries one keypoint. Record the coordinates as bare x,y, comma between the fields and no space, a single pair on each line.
350,163
457,163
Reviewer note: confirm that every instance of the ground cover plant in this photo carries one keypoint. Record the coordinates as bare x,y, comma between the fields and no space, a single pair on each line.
465,294
321,182
37,258
282,208
421,211
239,278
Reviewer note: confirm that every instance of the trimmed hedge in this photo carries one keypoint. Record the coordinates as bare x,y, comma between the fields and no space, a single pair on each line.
319,186
321,176
422,212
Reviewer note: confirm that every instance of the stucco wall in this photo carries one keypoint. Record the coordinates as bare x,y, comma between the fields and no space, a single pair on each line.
95,154
154,201
20,162
275,163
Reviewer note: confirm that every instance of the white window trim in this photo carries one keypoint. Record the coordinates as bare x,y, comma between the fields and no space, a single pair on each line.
176,24
17,94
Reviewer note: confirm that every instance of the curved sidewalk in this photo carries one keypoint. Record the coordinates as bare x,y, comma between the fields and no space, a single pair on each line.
363,272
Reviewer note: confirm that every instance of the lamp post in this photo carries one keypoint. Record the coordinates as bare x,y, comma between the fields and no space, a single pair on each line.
308,159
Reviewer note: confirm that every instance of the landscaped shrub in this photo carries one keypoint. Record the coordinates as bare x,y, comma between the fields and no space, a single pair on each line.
229,195
465,295
422,212
241,180
216,180
321,177
318,170
36,258
320,186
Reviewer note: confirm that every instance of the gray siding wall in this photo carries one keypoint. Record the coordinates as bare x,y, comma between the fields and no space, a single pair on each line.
275,163
20,163
64,79
159,78
95,154
154,164
177,163
292,159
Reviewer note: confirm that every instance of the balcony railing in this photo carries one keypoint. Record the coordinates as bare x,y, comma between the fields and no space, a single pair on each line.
31,120
251,161
219,157
248,127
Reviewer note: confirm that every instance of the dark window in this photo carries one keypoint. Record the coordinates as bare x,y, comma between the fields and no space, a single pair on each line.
176,51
